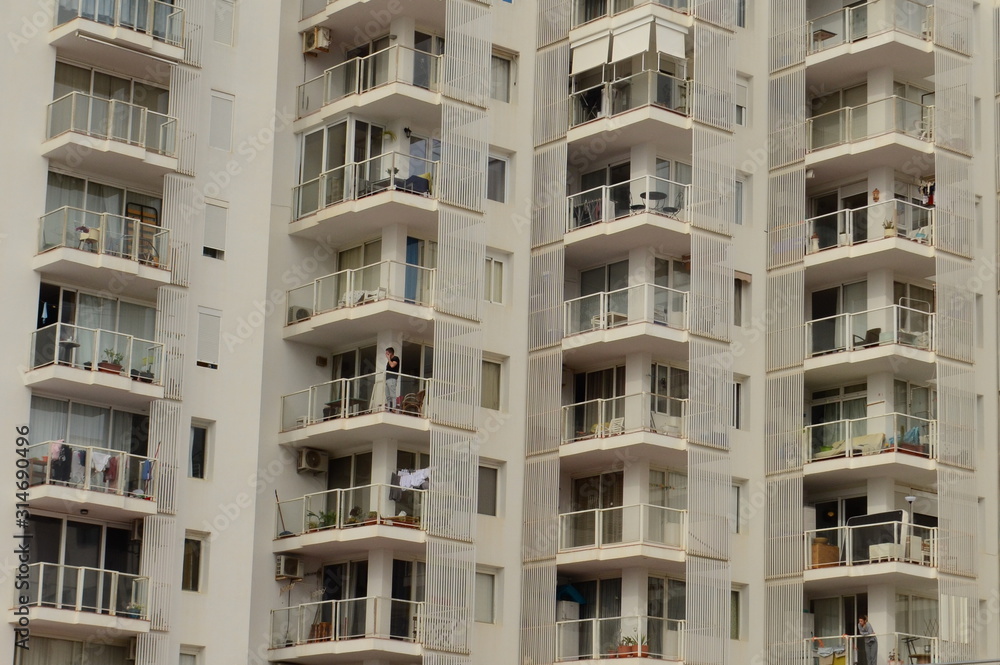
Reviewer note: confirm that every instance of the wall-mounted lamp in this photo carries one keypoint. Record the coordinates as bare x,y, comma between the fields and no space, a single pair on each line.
407,132
84,511
810,174
392,38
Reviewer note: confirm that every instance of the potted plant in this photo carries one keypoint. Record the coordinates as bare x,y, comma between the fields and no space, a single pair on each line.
146,373
643,646
112,362
322,519
627,647
889,227
372,517
133,610
354,517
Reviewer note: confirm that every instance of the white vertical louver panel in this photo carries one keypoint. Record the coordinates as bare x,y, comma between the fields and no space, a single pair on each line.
544,417
467,52
157,563
783,534
538,612
786,98
462,171
953,102
451,508
707,611
709,393
461,254
713,175
194,19
956,414
548,195
958,510
440,658
784,404
709,490
958,609
787,34
710,299
540,522
786,210
786,330
552,22
783,634
185,98
179,217
954,322
719,12
545,304
171,327
456,387
955,204
164,442
953,25
449,595
551,105
714,76
153,649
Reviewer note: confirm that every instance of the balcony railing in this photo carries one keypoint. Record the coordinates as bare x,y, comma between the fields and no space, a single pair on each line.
585,11
112,119
104,233
388,280
887,219
893,324
598,418
843,649
162,20
637,524
857,123
347,508
395,64
613,637
350,619
95,349
83,589
345,398
389,171
643,194
871,543
892,432
645,88
642,303
871,18
92,468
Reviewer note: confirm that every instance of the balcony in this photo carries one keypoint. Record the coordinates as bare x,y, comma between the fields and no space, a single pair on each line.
646,107
614,218
81,247
842,244
888,548
110,484
395,81
380,515
111,137
151,29
76,601
359,198
585,11
348,630
360,302
595,640
855,139
95,365
332,412
644,317
836,649
623,536
339,13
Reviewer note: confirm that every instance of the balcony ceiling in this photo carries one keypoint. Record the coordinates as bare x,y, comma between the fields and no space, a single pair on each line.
906,259
80,625
356,22
906,363
892,573
356,221
354,542
853,161
102,272
615,452
339,434
910,59
599,243
339,327
122,162
100,505
349,651
139,55
601,347
93,386
833,474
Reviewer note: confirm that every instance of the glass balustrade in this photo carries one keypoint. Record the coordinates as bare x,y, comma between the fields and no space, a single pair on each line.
612,416
348,619
856,22
345,398
159,18
857,123
620,637
345,508
894,324
645,194
637,524
83,589
91,468
892,432
94,349
642,303
871,543
104,233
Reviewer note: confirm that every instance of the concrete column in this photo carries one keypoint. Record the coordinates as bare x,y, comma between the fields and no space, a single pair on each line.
637,388
380,588
881,494
633,601
882,615
884,180
879,298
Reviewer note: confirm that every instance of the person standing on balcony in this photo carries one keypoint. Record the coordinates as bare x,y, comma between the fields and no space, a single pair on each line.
391,378
867,642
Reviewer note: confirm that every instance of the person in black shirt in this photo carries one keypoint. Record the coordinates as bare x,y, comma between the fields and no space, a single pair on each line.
391,378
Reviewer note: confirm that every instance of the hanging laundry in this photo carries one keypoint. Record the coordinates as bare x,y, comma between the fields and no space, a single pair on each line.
99,461
111,473
395,493
78,463
61,465
147,469
417,479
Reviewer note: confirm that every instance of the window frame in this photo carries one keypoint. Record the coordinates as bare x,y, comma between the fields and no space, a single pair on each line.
496,489
489,284
222,97
207,427
212,231
509,59
209,363
492,157
202,541
493,576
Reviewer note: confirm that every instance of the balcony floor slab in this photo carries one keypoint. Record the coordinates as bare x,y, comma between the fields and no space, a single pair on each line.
667,235
357,220
82,625
124,162
330,435
349,651
327,544
892,573
102,272
599,347
906,468
93,386
100,505
595,560
837,265
142,55
329,329
906,362
420,106
616,451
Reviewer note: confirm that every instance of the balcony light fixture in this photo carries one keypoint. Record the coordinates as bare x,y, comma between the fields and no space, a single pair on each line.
407,132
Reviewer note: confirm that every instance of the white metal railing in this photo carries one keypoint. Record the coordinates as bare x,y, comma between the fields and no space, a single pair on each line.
104,233
641,523
84,589
870,543
377,503
345,398
348,619
642,303
645,88
389,171
620,637
394,64
856,437
857,123
163,20
893,324
850,24
112,119
887,219
643,194
402,282
93,468
597,418
585,11
95,349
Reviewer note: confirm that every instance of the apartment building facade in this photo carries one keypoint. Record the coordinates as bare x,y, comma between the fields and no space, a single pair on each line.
491,331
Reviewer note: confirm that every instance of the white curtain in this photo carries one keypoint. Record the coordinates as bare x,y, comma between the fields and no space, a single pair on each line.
64,190
137,320
89,425
48,419
121,431
48,651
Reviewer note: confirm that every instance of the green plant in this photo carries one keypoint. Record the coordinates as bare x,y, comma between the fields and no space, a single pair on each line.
372,515
113,357
354,516
888,224
323,518
147,362
628,641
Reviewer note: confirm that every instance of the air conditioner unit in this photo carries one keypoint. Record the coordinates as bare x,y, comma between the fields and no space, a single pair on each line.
316,40
296,314
288,568
312,460
133,648
136,529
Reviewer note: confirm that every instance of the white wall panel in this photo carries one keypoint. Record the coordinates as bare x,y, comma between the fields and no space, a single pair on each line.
787,39
171,324
544,424
785,316
464,145
154,649
552,22
164,442
194,19
786,103
958,512
456,387
720,12
158,563
784,627
449,593
955,204
953,25
185,105
953,103
451,499
461,253
548,195
538,612
714,76
958,618
551,102
545,305
956,412
467,52
709,490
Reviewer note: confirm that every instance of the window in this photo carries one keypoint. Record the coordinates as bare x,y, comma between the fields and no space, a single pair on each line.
209,334
220,131
191,573
493,280
215,231
496,179
189,656
739,202
52,651
490,397
484,611
487,502
199,443
740,100
734,614
741,13
734,509
500,78
737,417
225,11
